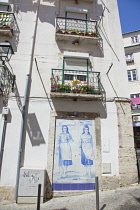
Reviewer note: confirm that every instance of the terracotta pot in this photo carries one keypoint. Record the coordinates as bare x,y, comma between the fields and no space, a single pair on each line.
81,34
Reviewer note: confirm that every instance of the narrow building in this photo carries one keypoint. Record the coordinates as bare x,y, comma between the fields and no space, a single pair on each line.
132,53
65,102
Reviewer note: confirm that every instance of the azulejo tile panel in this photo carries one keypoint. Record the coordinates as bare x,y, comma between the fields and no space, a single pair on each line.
74,159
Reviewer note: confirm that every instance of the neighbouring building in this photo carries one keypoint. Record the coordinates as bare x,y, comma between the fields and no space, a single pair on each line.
132,53
65,103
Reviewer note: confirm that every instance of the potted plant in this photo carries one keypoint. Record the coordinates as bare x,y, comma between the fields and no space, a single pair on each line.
91,89
4,19
63,88
86,33
76,86
53,88
74,32
84,88
81,33
66,32
93,35
67,88
59,31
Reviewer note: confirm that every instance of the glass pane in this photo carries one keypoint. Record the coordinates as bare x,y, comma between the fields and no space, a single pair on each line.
133,107
138,106
81,77
68,77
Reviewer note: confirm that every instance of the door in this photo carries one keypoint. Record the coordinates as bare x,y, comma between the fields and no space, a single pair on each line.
76,21
77,70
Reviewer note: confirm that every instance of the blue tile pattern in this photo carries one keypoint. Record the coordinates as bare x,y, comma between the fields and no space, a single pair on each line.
73,186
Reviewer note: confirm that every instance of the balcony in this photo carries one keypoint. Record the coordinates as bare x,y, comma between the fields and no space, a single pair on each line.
135,110
8,23
130,62
70,29
75,84
7,80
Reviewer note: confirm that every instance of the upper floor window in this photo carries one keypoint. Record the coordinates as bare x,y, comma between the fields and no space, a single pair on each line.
134,39
135,95
129,59
132,75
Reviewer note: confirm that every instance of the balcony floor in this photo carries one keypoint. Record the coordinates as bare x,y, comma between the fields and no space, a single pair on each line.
5,32
69,37
84,97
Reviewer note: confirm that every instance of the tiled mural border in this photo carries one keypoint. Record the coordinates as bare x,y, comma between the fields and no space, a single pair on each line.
84,115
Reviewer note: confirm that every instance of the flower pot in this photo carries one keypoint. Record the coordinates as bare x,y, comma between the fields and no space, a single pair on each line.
66,32
73,33
81,34
76,91
93,35
86,34
84,92
59,32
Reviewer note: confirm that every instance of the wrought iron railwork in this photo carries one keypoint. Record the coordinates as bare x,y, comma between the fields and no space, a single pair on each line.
130,61
76,26
135,109
8,21
64,80
7,80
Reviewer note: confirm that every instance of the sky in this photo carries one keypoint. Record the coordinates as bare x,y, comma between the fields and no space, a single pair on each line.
129,11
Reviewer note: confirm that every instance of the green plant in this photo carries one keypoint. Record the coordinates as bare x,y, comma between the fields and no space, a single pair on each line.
87,88
64,88
4,18
84,88
74,31
86,33
91,89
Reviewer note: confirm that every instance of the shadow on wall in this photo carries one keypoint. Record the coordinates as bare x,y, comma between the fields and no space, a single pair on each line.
48,189
95,50
46,12
34,131
33,127
98,107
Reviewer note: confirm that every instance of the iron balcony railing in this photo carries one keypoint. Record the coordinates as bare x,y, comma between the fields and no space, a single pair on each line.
135,109
8,21
76,81
130,61
7,80
75,26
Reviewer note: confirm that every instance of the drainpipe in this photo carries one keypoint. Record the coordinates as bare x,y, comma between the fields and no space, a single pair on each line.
25,106
3,139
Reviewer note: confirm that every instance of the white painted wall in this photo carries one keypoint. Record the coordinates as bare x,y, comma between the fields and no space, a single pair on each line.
109,138
48,54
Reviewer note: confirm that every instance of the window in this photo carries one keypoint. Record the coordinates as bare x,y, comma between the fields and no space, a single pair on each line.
138,106
134,39
132,75
129,59
75,68
137,95
68,77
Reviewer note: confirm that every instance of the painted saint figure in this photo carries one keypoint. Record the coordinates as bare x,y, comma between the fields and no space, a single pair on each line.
64,148
87,154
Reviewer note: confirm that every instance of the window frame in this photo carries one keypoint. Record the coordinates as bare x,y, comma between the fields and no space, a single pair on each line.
134,39
132,76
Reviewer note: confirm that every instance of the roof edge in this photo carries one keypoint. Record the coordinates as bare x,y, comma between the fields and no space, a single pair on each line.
130,32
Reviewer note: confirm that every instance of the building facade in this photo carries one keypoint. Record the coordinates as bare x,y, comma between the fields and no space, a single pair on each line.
132,52
69,118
